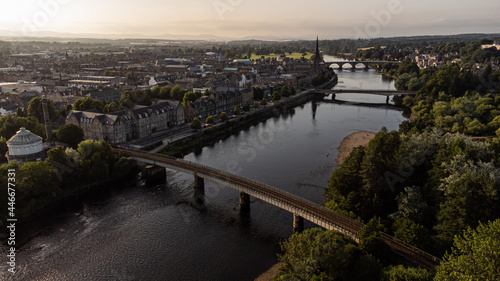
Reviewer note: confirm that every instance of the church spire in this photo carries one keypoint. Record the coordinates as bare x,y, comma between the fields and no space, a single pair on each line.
317,45
317,56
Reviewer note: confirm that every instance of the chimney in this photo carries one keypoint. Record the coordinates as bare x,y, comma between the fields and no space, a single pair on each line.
46,118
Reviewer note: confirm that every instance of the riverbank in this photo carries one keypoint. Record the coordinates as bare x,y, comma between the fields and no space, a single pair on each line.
270,273
351,141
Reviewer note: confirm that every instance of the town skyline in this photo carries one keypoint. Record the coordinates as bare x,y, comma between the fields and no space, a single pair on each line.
239,19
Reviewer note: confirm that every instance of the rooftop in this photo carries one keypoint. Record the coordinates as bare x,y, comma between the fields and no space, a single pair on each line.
23,137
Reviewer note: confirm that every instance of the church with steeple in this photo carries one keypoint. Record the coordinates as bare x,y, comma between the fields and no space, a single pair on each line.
317,57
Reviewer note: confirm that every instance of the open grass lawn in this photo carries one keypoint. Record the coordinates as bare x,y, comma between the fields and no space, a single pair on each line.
292,55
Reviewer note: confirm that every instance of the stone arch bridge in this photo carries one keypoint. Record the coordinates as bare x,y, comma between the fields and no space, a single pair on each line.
353,64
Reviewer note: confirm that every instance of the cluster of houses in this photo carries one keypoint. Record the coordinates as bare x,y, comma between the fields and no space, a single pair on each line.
66,76
435,60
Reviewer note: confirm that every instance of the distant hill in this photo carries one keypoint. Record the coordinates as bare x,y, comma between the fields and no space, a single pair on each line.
50,36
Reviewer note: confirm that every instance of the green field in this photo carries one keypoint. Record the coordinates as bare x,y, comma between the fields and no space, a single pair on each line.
292,55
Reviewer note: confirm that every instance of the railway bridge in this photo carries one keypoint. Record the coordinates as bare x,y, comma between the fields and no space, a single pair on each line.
299,207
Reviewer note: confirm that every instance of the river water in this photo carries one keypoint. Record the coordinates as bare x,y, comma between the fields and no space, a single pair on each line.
157,233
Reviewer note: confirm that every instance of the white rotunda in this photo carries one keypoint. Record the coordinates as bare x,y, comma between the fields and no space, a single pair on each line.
25,146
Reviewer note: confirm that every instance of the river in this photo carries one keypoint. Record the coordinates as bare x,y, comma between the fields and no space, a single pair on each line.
158,233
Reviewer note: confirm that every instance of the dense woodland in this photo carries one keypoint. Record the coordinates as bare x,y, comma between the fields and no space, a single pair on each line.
429,184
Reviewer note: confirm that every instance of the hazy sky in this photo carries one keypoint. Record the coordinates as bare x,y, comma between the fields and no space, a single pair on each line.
241,18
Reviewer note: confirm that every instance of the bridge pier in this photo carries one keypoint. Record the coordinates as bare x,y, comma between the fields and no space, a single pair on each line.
199,183
333,96
244,202
298,223
387,100
199,192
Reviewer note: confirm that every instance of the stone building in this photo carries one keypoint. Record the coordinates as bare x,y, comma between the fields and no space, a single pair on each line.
123,126
114,128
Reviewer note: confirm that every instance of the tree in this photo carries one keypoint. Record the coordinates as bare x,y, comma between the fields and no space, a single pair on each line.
177,93
475,255
20,112
399,272
35,109
258,93
155,91
287,91
210,120
276,96
255,105
111,107
325,255
189,97
70,134
412,233
67,169
3,149
67,109
10,124
371,242
165,92
263,101
122,167
236,110
411,204
89,103
37,179
196,124
131,98
96,158
223,116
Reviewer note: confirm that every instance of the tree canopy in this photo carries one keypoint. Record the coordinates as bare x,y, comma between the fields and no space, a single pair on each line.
196,124
475,255
35,109
131,98
70,134
88,103
325,255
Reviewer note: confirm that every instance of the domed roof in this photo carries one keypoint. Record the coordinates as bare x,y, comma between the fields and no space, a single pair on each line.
23,137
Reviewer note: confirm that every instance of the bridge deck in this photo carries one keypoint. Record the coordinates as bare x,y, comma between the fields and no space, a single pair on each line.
309,210
371,92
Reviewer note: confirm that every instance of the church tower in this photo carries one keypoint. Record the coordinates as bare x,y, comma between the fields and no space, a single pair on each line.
317,56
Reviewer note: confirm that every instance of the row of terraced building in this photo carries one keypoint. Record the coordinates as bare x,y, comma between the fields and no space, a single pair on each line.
143,121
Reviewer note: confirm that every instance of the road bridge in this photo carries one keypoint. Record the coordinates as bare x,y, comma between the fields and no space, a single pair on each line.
387,93
298,206
370,92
